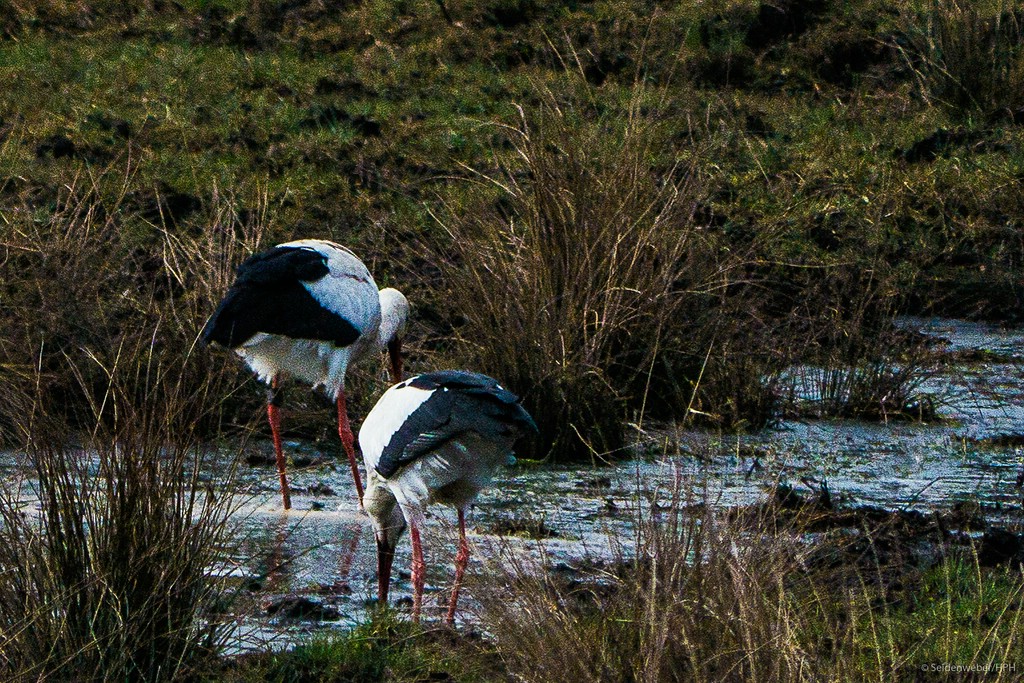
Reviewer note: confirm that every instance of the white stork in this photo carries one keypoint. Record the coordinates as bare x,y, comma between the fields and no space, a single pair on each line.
307,309
434,437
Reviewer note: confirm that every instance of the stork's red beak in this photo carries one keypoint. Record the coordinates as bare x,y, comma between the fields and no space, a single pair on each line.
395,355
385,558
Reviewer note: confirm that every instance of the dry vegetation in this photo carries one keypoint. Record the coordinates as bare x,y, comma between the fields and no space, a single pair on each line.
587,280
108,554
702,594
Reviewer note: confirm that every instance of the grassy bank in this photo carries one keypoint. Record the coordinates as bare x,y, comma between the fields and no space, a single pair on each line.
788,176
859,130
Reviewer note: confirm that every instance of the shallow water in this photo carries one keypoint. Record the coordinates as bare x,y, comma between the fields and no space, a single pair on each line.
324,549
589,512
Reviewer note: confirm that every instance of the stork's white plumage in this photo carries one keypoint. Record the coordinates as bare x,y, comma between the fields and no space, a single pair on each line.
434,437
308,309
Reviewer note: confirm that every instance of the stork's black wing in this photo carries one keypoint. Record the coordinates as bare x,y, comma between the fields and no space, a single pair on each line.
268,296
461,402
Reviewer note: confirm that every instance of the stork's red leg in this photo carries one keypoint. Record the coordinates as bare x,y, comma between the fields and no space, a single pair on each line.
418,571
461,560
348,443
277,572
274,416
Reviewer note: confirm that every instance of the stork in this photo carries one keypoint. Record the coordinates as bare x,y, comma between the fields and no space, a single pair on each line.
307,309
438,437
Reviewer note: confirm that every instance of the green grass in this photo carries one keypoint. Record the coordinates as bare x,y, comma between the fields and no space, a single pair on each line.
960,615
799,148
386,647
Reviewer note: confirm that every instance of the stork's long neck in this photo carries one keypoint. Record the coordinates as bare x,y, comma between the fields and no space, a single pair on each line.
394,312
388,525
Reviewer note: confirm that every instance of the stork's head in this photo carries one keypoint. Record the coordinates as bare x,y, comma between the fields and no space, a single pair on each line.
394,313
388,525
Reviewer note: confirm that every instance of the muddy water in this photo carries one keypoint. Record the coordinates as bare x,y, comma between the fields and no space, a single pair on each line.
323,549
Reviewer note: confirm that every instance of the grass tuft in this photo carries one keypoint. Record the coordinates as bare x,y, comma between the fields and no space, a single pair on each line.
967,56
705,595
110,548
110,543
578,264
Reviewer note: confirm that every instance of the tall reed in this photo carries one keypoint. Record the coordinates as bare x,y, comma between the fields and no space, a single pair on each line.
967,56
